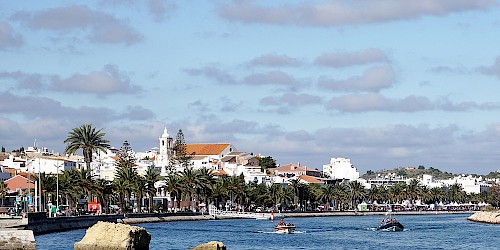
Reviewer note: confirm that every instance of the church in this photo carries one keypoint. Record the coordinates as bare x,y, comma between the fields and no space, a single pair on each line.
204,155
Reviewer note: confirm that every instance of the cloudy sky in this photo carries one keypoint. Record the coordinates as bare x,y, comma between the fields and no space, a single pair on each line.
386,83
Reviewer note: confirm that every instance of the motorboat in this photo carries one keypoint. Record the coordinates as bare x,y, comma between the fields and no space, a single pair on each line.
391,225
283,228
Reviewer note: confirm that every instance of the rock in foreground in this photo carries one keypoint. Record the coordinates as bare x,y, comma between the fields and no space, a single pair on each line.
107,236
212,245
492,217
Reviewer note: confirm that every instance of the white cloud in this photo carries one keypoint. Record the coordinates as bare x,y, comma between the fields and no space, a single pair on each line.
369,102
345,59
99,26
338,12
105,82
274,60
373,79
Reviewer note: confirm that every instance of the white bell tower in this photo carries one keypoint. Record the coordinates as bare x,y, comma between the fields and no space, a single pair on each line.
166,149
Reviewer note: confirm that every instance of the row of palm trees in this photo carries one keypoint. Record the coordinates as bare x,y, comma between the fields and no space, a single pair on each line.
201,186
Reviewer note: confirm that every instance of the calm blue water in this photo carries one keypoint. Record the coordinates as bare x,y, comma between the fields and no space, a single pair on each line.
348,232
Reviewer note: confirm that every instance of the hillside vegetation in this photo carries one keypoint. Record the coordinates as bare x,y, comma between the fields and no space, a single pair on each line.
409,172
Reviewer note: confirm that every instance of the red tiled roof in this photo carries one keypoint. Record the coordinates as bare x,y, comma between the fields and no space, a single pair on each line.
220,172
309,179
293,167
206,149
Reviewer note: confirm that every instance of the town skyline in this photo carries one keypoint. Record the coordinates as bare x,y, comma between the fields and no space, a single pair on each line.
386,84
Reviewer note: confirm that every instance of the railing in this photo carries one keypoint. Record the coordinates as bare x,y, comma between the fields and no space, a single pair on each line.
216,213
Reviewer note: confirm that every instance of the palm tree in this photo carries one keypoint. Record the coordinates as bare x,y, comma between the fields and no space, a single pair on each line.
455,193
126,175
437,194
206,179
88,139
121,187
219,190
356,192
139,188
104,190
295,184
413,190
396,192
326,193
173,185
340,196
151,178
189,179
3,191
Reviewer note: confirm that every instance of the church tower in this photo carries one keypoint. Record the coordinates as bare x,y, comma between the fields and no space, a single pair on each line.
166,149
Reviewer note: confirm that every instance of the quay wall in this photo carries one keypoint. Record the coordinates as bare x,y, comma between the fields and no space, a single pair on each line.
492,217
40,224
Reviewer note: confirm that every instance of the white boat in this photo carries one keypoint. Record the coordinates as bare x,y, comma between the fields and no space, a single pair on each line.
283,228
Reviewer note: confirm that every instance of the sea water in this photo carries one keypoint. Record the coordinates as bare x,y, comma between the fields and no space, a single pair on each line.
440,231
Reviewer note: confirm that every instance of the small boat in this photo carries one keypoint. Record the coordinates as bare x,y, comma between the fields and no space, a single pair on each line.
391,226
283,228
389,223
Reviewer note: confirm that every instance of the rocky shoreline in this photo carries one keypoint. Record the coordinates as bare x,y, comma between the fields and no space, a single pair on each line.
491,217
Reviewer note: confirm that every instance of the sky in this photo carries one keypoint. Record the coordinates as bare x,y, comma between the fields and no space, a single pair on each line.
385,83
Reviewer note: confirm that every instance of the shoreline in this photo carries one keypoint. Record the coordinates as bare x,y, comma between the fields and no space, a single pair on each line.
490,217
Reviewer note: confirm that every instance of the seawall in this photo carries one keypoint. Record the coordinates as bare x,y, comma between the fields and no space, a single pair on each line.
40,224
492,217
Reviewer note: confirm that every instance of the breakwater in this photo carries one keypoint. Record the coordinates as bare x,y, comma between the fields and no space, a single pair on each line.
492,217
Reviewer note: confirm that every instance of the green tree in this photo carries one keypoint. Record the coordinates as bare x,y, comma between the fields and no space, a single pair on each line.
181,157
152,177
189,180
455,193
206,180
266,163
413,190
3,191
356,193
173,185
87,138
104,191
126,175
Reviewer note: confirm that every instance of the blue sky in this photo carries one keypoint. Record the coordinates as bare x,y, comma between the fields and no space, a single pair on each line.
385,83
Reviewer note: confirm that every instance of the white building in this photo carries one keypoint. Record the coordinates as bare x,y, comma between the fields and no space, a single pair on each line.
40,164
341,168
469,183
241,163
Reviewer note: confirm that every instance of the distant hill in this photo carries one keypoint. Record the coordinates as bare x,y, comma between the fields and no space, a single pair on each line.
412,172
409,172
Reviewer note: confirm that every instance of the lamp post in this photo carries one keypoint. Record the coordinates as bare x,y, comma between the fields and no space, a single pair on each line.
57,189
40,207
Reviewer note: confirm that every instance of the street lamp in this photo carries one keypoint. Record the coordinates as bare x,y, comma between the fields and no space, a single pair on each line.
57,188
39,189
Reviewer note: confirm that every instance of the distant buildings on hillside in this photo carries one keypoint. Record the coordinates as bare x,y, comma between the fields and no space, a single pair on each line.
221,158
